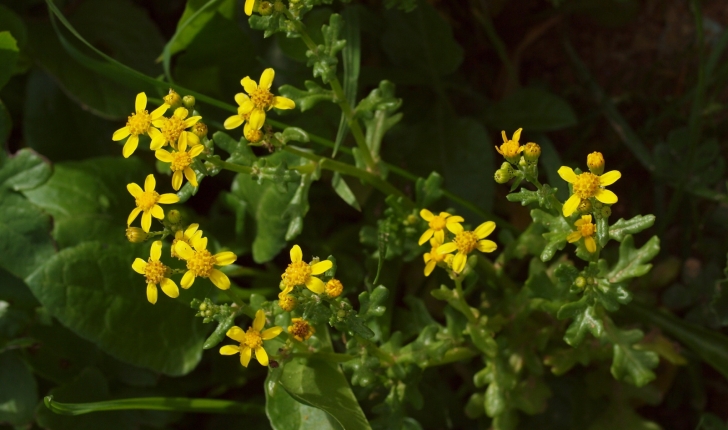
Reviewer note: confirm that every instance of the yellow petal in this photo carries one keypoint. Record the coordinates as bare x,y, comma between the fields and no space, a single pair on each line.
486,246
245,351
574,236
225,258
261,355
587,218
315,284
196,150
236,333
447,248
163,155
184,251
130,146
168,198
241,98
189,122
199,243
158,112
440,236
157,212
271,333
485,229
156,251
139,265
454,219
232,122
177,180
259,321
191,229
248,84
296,254
426,215
229,350
182,142
192,139
266,78
429,267
132,216
157,142
580,222
146,221
153,132
458,263
187,279
283,103
249,11
150,183
220,279
454,227
169,288
591,244
606,196
181,113
257,119
444,214
571,204
517,135
141,102
426,236
609,178
567,174
246,107
427,257
120,134
191,177
321,267
152,293
134,189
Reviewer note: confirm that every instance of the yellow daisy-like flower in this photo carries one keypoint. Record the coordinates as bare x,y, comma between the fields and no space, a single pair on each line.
156,273
334,288
259,99
585,229
300,329
148,201
243,115
467,241
173,130
201,262
139,123
190,233
438,224
433,257
301,273
587,185
251,340
511,149
180,162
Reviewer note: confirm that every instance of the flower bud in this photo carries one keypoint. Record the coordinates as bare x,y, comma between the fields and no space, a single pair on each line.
506,165
253,136
188,101
531,152
173,99
334,288
199,129
606,211
300,329
287,302
580,282
174,216
595,161
279,7
585,207
265,8
502,176
136,235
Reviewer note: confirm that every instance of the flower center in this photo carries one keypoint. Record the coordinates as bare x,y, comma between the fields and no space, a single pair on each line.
435,256
334,288
466,241
253,339
139,123
437,223
586,185
510,148
180,161
155,272
253,136
587,229
296,273
287,303
147,200
202,263
300,329
173,128
262,98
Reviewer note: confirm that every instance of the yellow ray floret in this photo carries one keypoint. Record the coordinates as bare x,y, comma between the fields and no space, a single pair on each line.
185,236
251,340
467,241
301,273
259,100
138,123
200,262
437,225
433,257
511,148
587,185
180,161
585,229
156,274
173,130
147,201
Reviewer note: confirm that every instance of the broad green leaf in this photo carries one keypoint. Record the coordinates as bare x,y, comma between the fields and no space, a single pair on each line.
630,364
539,283
622,227
585,321
91,289
532,109
196,16
322,385
343,191
18,390
371,304
632,261
306,100
8,56
23,171
57,344
25,241
286,413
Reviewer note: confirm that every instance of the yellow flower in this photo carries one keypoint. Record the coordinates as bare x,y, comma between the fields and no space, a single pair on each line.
433,257
438,224
187,236
259,99
243,115
511,149
287,302
136,235
180,162
300,330
251,134
200,262
249,7
139,123
174,130
595,161
156,273
334,288
587,185
467,241
585,229
147,201
300,272
251,340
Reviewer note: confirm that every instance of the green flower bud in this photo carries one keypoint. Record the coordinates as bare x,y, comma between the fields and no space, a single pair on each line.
502,176
506,165
174,216
606,211
531,152
265,8
580,282
585,207
136,235
279,7
188,101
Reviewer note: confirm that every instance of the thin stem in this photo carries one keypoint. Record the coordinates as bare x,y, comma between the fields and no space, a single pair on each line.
461,298
228,166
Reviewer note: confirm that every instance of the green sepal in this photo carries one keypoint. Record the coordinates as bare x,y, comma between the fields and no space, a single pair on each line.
309,98
632,261
620,229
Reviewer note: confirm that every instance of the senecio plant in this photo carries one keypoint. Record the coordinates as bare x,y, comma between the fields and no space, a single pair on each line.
318,329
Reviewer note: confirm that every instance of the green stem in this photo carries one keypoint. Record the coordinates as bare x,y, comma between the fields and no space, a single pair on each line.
178,404
374,349
228,166
461,298
246,309
453,355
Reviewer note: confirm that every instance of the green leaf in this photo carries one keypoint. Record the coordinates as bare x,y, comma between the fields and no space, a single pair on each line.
91,289
378,112
531,395
10,21
343,191
632,261
25,241
351,56
622,227
602,233
286,413
585,321
6,125
324,60
306,100
630,364
526,197
177,404
429,190
483,339
532,109
322,385
558,230
18,391
23,171
370,304
450,297
539,283
8,56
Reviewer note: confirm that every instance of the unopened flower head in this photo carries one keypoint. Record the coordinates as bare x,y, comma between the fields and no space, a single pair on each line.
300,329
172,99
531,152
139,123
136,235
147,202
587,185
259,99
437,225
202,263
585,207
334,288
595,162
466,242
252,135
180,161
186,236
433,257
155,273
511,149
585,229
301,273
174,130
200,129
287,302
251,340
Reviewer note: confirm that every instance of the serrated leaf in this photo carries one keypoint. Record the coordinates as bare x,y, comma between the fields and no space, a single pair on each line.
524,196
351,56
612,295
323,59
622,227
629,364
482,339
371,303
632,261
539,283
585,321
558,230
309,98
531,395
239,150
429,190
